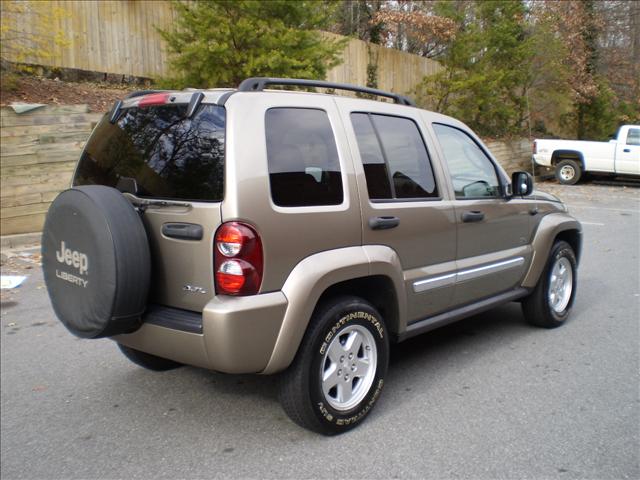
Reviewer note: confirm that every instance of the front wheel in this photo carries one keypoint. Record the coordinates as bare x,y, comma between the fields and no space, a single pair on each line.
339,370
550,302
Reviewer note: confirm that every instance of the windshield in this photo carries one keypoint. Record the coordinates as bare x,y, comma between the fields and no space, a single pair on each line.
169,156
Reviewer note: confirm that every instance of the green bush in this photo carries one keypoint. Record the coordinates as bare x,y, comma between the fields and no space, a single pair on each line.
219,43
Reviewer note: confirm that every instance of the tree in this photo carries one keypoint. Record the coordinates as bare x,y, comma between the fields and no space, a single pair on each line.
415,27
222,42
487,67
357,18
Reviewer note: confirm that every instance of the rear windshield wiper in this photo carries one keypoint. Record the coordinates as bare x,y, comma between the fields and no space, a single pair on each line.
142,204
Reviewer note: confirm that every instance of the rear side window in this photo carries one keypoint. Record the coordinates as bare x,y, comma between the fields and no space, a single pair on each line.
304,169
169,156
394,156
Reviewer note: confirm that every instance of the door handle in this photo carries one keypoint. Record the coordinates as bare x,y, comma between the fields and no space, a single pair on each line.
473,216
383,223
626,150
182,231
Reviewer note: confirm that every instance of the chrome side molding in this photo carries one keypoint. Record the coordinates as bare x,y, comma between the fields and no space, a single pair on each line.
434,282
489,269
464,275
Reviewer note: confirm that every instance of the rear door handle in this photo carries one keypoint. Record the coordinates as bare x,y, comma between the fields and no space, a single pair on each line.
182,231
383,223
473,216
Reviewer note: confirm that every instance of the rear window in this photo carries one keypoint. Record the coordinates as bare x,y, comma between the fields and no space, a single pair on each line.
169,156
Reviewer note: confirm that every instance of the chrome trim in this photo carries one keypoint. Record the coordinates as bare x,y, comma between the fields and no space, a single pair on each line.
451,278
489,269
434,282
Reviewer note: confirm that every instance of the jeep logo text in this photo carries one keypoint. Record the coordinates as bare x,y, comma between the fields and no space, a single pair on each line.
73,258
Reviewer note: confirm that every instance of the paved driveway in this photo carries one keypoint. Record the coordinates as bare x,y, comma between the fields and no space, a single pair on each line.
487,398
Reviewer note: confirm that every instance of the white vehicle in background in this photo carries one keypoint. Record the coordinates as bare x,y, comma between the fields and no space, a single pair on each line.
573,158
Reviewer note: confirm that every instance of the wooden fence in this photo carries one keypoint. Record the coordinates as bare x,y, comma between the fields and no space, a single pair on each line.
38,154
120,37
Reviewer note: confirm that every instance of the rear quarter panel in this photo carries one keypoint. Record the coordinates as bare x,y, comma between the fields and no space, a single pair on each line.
288,234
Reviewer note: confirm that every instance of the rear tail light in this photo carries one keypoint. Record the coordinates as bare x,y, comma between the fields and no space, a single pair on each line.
237,259
535,147
153,99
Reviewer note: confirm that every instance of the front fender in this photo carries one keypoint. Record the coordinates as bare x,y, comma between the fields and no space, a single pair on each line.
548,229
313,275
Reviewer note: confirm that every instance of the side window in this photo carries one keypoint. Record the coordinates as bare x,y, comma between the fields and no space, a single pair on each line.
633,137
304,169
472,172
394,156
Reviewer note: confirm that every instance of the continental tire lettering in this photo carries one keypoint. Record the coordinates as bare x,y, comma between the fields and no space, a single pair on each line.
351,316
357,315
357,417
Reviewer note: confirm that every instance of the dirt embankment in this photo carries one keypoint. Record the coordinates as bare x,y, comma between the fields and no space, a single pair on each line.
99,96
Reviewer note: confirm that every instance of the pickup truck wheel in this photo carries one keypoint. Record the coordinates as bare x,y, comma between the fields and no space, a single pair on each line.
148,361
339,370
568,172
550,303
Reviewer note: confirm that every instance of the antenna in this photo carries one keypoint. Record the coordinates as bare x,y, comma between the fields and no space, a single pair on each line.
533,163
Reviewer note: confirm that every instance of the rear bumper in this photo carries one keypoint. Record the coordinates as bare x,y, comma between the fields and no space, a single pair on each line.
542,160
237,334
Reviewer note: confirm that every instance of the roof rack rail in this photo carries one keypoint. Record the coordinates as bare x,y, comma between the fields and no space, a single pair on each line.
257,84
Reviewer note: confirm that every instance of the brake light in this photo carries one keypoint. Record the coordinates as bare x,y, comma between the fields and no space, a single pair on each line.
153,99
238,259
535,147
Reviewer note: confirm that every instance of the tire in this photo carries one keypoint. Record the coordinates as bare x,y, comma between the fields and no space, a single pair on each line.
549,305
568,172
96,262
320,406
148,361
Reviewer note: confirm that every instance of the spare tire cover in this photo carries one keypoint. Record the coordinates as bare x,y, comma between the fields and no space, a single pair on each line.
96,261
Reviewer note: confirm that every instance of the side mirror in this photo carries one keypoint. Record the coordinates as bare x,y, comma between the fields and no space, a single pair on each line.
521,184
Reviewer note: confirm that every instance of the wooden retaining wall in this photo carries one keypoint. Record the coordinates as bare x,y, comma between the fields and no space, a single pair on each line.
120,37
514,155
38,153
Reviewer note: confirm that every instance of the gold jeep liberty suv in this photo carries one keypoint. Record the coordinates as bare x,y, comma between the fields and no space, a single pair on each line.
271,231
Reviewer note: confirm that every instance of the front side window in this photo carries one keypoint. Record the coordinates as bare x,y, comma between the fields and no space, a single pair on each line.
394,156
304,168
472,172
633,137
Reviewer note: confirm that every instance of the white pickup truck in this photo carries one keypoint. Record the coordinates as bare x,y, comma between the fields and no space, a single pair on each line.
572,158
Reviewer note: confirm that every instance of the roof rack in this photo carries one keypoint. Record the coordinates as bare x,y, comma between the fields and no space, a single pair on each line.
258,84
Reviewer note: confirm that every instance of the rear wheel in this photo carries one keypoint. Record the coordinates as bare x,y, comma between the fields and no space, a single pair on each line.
339,371
568,172
148,361
550,303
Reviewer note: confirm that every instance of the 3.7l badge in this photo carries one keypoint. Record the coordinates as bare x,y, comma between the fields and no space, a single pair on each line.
193,289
